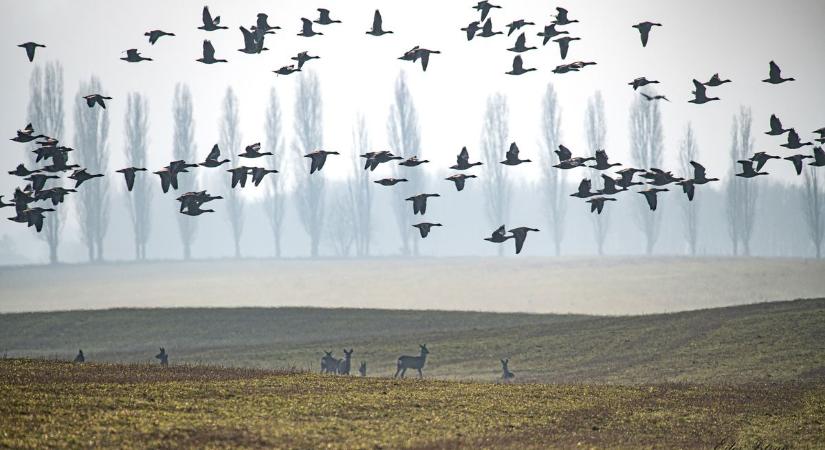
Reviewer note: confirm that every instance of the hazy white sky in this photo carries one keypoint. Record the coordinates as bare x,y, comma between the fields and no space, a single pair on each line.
357,71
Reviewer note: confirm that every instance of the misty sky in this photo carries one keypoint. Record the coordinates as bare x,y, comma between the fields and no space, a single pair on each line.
358,72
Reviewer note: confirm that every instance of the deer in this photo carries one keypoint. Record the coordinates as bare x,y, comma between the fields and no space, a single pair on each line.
163,357
345,364
329,364
412,362
362,369
79,358
506,375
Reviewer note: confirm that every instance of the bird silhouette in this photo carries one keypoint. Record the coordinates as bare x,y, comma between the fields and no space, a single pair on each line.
38,180
253,42
644,30
797,162
425,227
564,44
602,161
517,25
511,157
651,197
323,17
561,17
303,57
583,190
390,181
377,25
484,8
550,32
821,133
254,151
520,234
93,99
760,158
81,175
656,97
133,56
154,35
487,29
286,70
609,186
22,171
212,158
499,235
459,179
413,161
27,135
239,175
626,177
518,67
597,203
419,202
776,127
306,28
747,169
700,94
520,46
210,24
641,82
471,29
793,141
30,49
775,75
129,174
258,174
262,25
319,158
463,161
417,53
715,80
56,194
209,54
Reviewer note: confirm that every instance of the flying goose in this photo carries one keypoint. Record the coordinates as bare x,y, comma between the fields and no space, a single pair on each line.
167,178
688,187
26,135
797,162
133,56
775,75
471,29
609,187
650,196
776,127
601,161
518,67
323,17
597,203
641,82
39,180
511,158
56,194
487,29
699,176
306,28
209,54
196,211
566,159
373,159
262,25
303,57
212,158
659,177
420,202
154,35
699,94
520,46
96,98
651,98
81,175
463,161
561,17
793,141
747,169
425,227
390,181
254,151
34,217
253,43
573,67
715,80
30,48
210,24
819,157
459,179
286,70
626,180
644,30
193,200
499,236
520,234
319,158
516,25
258,174
564,44
22,171
484,8
760,158
549,33
821,133
413,161
129,174
583,190
417,53
377,25
239,175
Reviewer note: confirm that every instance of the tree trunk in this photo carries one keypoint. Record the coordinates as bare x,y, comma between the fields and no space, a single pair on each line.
187,251
53,252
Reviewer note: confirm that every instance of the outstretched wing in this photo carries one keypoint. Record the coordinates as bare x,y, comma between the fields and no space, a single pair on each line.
376,21
775,72
207,18
208,50
464,156
214,154
698,170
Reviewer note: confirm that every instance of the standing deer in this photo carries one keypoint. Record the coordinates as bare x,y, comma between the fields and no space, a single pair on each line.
506,375
79,358
163,357
329,364
362,369
412,362
345,364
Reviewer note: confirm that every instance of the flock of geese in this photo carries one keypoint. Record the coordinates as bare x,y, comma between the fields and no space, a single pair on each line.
652,179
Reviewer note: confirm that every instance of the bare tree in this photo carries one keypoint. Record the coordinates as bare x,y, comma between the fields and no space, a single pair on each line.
814,208
91,137
494,136
405,139
340,224
136,129
46,114
596,131
230,142
741,193
274,201
552,179
646,145
690,210
309,136
184,148
360,190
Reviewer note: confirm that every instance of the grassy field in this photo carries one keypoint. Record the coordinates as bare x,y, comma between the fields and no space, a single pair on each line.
782,341
632,285
64,405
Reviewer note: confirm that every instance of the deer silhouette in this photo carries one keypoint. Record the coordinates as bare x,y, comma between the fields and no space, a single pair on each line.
506,375
412,362
163,357
329,364
362,369
79,358
345,364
